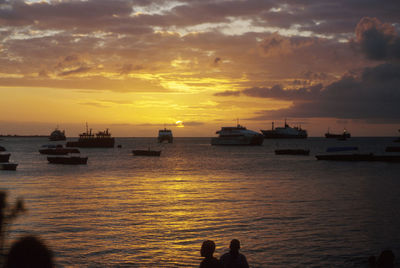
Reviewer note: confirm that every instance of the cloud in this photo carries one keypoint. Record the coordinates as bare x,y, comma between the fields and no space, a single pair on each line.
227,93
377,40
373,95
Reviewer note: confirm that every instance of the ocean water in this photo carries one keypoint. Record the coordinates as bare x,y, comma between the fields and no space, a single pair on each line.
121,210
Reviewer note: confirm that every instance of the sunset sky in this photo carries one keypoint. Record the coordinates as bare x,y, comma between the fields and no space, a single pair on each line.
134,66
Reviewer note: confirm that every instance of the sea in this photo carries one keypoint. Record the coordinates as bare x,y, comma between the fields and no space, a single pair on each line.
121,210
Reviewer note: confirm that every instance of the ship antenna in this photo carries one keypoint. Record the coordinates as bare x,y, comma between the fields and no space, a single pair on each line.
87,128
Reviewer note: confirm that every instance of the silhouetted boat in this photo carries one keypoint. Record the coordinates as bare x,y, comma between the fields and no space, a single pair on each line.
238,135
57,135
102,139
71,160
4,157
146,153
57,150
292,151
8,166
342,148
2,149
285,132
359,157
165,135
345,135
392,149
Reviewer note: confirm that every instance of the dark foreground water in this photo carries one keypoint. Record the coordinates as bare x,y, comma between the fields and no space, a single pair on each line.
126,211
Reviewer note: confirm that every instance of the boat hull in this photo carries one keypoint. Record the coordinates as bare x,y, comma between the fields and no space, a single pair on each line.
242,140
73,160
92,143
4,157
270,134
59,151
292,152
360,157
8,166
169,139
146,153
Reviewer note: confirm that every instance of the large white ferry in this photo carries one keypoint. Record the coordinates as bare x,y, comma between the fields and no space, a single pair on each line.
238,135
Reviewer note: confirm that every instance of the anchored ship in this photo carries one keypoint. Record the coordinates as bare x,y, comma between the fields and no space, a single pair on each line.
285,132
165,135
101,139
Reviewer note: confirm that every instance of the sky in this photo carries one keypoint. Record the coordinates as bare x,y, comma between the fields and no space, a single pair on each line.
135,66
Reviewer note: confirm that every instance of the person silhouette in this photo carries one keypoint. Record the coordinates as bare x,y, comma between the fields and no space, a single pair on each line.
234,259
207,251
386,259
28,252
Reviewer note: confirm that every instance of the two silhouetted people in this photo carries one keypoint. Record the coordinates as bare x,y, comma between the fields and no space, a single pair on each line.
231,259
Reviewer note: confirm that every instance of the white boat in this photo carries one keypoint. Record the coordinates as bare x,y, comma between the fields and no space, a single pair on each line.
165,135
238,135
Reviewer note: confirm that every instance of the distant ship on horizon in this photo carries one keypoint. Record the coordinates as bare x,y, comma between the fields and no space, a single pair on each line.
57,135
101,139
285,132
165,135
344,135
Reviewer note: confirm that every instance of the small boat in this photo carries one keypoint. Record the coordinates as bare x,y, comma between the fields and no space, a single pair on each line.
292,151
8,166
4,157
71,160
57,150
165,135
392,149
146,153
2,149
57,135
359,157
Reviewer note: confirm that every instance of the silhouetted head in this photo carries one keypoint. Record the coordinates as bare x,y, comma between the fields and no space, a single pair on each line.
235,246
386,259
207,248
29,252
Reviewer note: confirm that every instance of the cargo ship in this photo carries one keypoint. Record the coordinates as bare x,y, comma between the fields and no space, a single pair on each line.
101,139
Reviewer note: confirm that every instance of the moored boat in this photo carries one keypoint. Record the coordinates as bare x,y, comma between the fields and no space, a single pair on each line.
392,149
4,157
57,150
165,135
8,166
71,160
238,135
101,139
146,152
292,151
285,132
2,149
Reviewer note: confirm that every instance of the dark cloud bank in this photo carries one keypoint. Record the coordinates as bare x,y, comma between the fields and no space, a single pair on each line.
373,95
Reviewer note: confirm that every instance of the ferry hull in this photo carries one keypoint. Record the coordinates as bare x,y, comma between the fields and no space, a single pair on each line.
274,135
256,140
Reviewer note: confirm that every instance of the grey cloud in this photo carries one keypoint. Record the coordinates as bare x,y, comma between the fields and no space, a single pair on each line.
378,41
374,95
227,93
